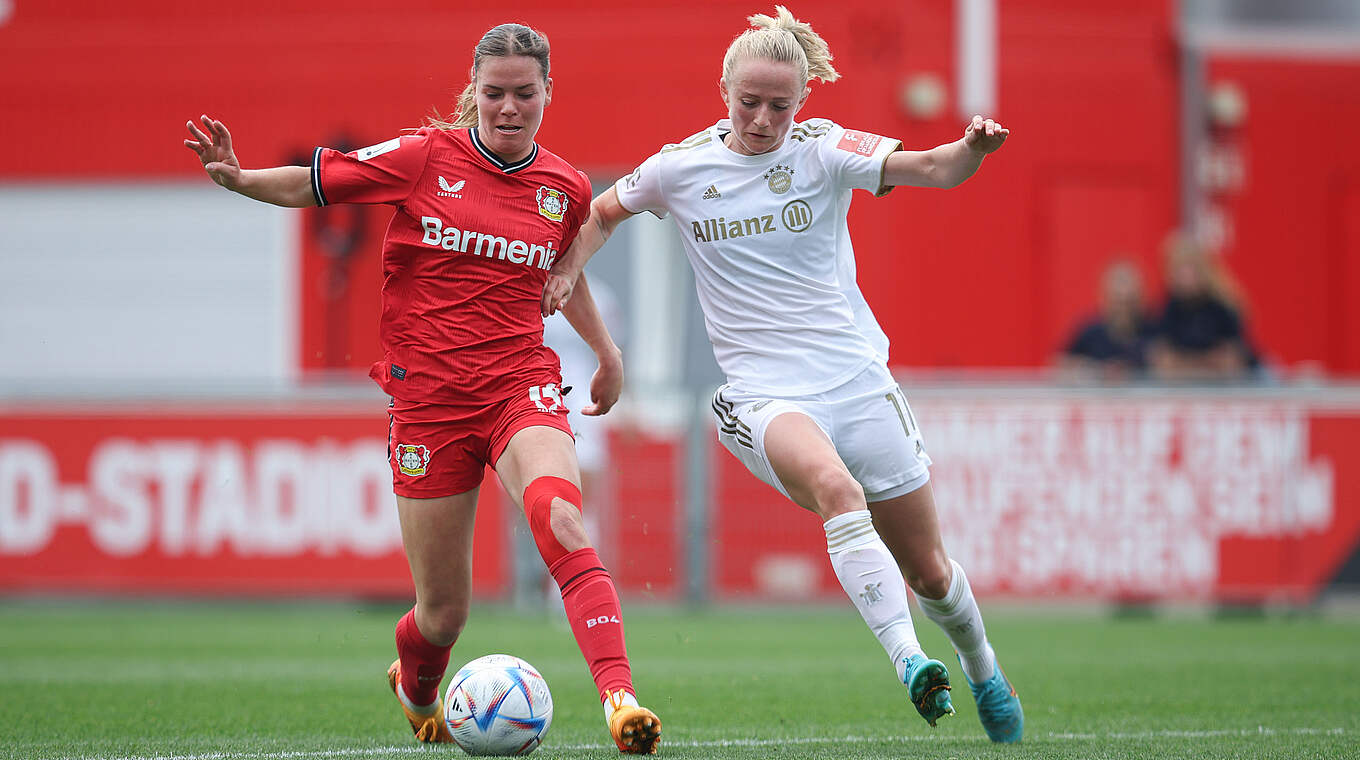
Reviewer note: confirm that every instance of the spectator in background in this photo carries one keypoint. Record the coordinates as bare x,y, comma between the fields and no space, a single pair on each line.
1113,346
1200,334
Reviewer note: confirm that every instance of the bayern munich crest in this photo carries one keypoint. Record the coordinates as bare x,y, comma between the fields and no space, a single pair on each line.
412,458
779,179
552,203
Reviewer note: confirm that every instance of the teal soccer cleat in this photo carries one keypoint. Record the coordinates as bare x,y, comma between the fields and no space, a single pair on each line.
927,683
998,707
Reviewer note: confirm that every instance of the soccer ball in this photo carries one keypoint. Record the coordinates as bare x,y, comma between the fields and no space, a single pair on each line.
498,705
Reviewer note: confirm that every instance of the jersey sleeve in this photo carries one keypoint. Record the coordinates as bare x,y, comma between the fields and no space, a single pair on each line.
641,190
856,159
382,173
578,211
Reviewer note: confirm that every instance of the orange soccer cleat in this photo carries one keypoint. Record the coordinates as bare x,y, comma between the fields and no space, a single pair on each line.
636,730
427,727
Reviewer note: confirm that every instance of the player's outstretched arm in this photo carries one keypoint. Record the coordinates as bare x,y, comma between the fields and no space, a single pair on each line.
946,165
606,213
281,185
585,318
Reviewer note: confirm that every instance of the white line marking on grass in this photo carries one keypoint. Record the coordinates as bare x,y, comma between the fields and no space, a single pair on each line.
1169,734
407,749
290,755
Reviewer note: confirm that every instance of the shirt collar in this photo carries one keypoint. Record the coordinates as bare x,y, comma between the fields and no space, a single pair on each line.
496,160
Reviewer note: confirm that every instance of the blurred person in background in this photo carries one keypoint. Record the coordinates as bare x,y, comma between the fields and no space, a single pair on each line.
1112,346
810,407
1200,335
481,212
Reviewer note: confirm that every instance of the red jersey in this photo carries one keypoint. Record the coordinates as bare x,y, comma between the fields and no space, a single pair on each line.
465,258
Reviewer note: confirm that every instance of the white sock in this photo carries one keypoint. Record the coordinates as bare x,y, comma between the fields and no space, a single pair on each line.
957,613
430,709
616,699
872,580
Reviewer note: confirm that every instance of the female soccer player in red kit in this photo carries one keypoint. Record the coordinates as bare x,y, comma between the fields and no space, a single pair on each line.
482,211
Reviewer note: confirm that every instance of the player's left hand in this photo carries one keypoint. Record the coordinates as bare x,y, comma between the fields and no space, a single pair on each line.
605,385
984,135
556,291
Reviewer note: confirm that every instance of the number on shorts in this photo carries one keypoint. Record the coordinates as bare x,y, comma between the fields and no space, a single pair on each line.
548,398
898,405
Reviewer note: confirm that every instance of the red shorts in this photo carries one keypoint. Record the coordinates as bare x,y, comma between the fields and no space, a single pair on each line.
440,450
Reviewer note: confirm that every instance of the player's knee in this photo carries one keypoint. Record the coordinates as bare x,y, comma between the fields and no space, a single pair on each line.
552,506
444,621
834,492
567,526
931,579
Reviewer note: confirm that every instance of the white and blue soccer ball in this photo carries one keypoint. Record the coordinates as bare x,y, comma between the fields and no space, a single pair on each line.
498,705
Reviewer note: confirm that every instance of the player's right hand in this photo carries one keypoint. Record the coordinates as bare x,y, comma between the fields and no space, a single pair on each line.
606,385
213,146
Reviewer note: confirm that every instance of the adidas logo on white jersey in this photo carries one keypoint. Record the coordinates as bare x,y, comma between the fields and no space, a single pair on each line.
450,191
711,193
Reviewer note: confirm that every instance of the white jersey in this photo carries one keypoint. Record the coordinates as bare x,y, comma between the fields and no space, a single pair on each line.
768,240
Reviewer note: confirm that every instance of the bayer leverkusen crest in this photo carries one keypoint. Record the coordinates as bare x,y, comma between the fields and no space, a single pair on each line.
412,458
552,203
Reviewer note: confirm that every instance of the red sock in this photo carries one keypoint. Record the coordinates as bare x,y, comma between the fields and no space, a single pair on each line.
422,663
593,610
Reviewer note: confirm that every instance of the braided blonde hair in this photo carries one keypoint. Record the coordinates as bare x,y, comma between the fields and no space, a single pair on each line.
785,39
499,42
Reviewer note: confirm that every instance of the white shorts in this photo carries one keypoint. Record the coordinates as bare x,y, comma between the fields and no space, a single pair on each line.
867,419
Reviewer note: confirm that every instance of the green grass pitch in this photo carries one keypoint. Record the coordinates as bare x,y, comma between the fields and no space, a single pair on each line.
240,681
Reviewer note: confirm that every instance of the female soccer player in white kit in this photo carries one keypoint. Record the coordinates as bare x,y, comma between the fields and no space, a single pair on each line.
809,405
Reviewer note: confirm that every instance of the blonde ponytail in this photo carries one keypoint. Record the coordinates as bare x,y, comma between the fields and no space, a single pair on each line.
785,39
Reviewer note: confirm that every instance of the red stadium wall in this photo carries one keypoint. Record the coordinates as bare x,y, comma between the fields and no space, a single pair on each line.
994,273
260,500
1096,498
1041,496
269,499
1294,220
